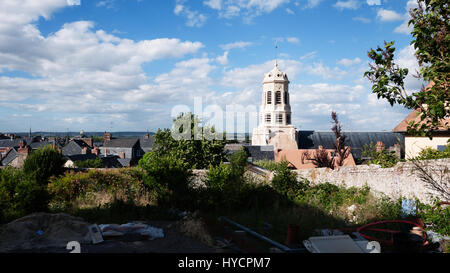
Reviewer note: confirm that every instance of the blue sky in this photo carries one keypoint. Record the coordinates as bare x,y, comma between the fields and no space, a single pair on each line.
122,65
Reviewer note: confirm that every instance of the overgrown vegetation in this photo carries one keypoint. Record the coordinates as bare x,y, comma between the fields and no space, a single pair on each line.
430,153
383,158
89,163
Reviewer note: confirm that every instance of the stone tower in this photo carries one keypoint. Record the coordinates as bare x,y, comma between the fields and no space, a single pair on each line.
275,126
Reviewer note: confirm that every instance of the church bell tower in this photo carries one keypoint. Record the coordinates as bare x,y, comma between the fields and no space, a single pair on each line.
275,126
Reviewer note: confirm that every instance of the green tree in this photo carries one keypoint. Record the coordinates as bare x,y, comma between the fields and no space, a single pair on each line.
89,163
431,40
198,147
285,181
44,163
168,175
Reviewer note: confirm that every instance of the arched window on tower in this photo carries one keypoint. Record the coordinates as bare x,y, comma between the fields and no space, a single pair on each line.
268,118
285,97
278,97
269,97
288,119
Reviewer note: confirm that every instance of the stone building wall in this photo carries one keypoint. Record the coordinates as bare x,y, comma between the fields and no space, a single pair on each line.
401,180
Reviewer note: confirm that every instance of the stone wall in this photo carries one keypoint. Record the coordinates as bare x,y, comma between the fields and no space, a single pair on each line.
401,180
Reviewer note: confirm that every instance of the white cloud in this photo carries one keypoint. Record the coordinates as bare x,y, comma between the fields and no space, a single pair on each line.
362,19
349,62
247,8
311,4
309,55
389,15
223,60
73,2
404,28
349,4
293,40
76,70
406,59
214,4
194,18
288,10
325,72
238,44
373,2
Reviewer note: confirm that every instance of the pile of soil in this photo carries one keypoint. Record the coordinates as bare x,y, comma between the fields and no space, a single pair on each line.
43,230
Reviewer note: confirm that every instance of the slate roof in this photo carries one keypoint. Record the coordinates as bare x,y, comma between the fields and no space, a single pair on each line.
124,162
41,144
260,152
356,140
81,157
10,156
74,147
121,143
15,142
147,143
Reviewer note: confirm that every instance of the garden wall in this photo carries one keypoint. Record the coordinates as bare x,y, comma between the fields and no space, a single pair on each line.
402,180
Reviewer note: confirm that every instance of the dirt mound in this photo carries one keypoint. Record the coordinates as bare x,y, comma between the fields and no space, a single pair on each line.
42,230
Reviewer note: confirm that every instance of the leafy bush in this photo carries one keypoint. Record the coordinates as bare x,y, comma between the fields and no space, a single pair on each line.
168,175
90,163
383,158
285,181
44,163
435,216
75,189
19,194
430,153
270,165
218,176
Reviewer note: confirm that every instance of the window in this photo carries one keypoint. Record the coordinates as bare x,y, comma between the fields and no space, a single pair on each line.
269,97
279,118
278,97
268,118
288,118
285,97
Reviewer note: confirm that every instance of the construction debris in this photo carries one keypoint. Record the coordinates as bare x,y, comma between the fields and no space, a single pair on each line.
133,231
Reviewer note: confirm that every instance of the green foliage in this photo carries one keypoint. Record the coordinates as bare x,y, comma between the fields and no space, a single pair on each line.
199,146
89,163
435,216
168,175
285,180
431,25
430,153
383,158
19,194
44,163
270,165
238,161
73,189
219,176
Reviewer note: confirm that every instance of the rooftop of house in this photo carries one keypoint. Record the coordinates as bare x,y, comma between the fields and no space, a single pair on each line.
121,143
10,156
415,116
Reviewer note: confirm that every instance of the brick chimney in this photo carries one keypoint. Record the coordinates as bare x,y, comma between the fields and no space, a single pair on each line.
22,153
380,146
147,136
85,151
95,151
107,136
89,141
122,155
